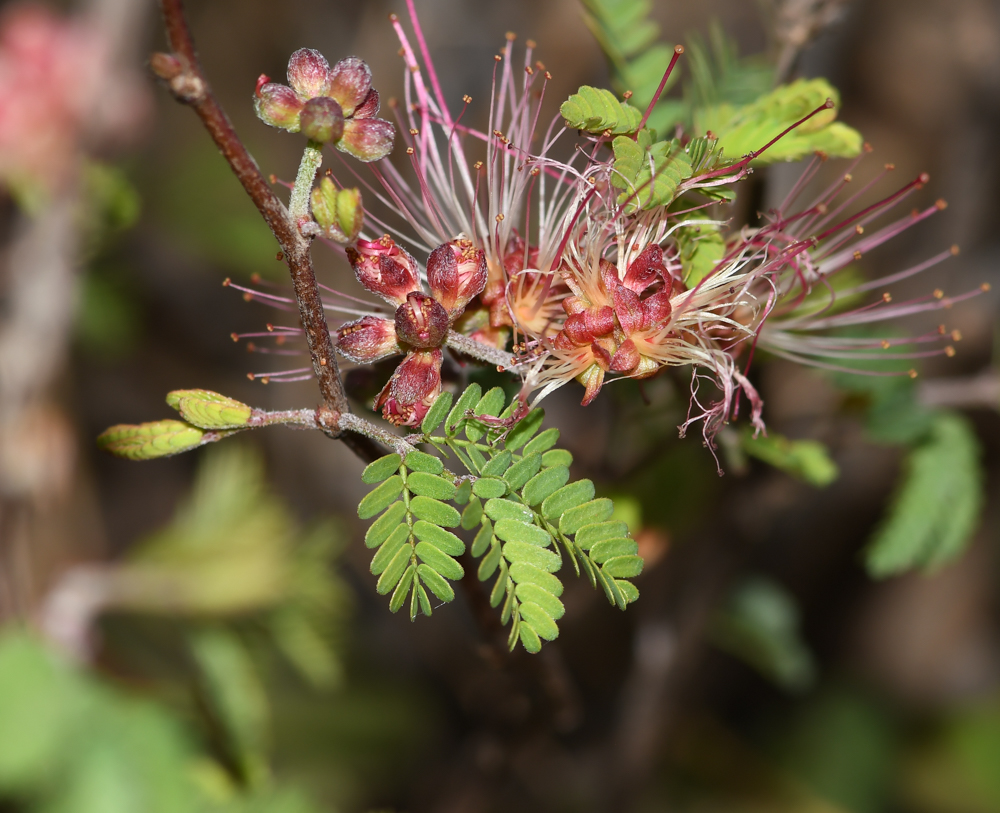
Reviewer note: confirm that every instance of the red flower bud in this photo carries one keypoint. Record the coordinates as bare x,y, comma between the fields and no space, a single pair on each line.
592,379
369,107
279,106
412,390
367,139
421,321
350,82
628,309
626,357
385,269
456,272
309,73
644,269
368,339
656,308
322,120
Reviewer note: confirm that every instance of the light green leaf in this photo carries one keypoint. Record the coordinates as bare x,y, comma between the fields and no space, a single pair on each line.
146,441
506,509
466,401
546,482
512,530
490,404
590,513
430,485
528,592
488,566
498,465
402,588
435,512
472,514
543,442
423,462
555,505
701,248
591,534
541,558
482,540
540,621
597,110
439,537
381,497
209,410
489,487
628,590
436,414
385,525
525,429
649,173
439,560
937,505
557,457
463,492
523,573
529,639
394,570
623,567
389,549
438,586
381,469
601,552
806,459
523,470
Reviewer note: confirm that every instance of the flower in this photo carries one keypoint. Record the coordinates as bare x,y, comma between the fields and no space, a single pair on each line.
329,105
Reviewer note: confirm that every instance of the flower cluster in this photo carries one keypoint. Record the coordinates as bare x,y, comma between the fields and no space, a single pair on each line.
328,105
456,272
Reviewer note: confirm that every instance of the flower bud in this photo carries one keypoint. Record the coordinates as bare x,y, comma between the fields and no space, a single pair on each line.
309,73
628,309
421,321
350,82
367,139
337,211
644,269
322,120
412,390
456,272
626,357
384,269
656,309
278,106
367,340
583,327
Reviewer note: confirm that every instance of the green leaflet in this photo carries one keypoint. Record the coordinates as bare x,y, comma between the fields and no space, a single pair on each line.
146,441
701,249
597,111
937,504
520,502
436,414
648,173
209,410
806,459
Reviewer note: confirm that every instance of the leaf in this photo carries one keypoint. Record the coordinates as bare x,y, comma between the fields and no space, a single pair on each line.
597,111
591,534
381,469
540,621
760,625
557,457
438,586
546,482
701,249
506,509
525,429
236,696
389,549
465,402
490,404
523,470
542,558
650,173
746,129
385,525
488,566
589,513
937,504
528,592
806,459
381,497
623,567
498,465
209,410
435,512
512,530
439,560
423,462
555,505
529,639
542,442
628,590
489,487
523,573
472,514
601,552
430,485
482,540
402,588
394,570
439,537
437,412
146,441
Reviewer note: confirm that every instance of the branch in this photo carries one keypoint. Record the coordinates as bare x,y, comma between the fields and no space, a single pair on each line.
183,75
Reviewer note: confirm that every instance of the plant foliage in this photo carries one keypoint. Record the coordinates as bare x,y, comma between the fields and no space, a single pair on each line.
517,496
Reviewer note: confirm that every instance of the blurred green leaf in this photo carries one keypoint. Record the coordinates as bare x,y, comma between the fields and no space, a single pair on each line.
596,110
146,441
937,504
760,625
209,410
808,460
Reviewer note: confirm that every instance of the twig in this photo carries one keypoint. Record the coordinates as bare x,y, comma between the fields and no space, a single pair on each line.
183,75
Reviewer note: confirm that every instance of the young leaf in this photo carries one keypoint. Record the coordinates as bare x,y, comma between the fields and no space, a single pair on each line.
555,505
146,441
623,567
557,457
381,469
438,586
506,509
488,566
482,540
385,525
525,429
489,487
591,534
385,554
937,505
805,459
466,401
435,512
523,573
590,513
439,537
440,561
523,470
472,514
528,592
512,530
542,558
380,498
540,621
394,570
601,552
209,410
430,485
546,482
436,414
542,442
648,173
597,111
498,465
424,463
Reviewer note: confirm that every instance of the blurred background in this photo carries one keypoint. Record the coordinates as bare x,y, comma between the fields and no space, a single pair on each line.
219,605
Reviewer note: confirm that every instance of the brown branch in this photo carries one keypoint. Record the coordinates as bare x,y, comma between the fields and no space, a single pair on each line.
183,75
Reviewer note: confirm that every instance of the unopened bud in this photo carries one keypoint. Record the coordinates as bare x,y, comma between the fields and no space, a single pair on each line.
308,73
278,106
338,211
322,120
384,269
350,83
421,321
367,340
412,390
644,269
456,272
